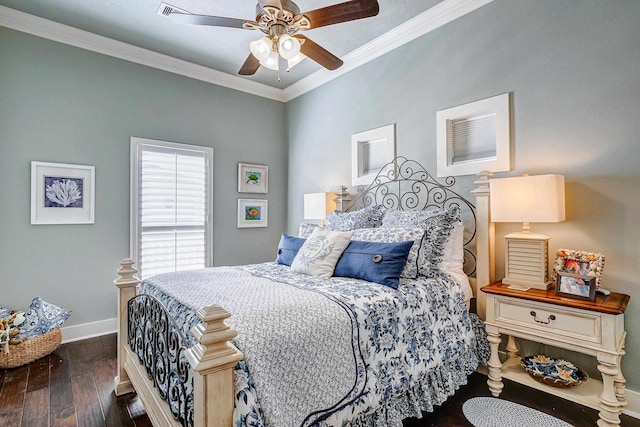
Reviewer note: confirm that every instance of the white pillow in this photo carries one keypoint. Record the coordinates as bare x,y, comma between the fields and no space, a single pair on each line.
453,259
319,254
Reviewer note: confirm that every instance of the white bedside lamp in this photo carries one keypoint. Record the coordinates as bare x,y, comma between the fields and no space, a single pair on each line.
319,205
538,198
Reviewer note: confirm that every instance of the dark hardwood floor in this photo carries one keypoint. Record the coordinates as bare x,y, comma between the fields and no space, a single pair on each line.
74,387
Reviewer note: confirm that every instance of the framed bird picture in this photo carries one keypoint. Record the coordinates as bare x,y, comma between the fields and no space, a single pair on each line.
253,178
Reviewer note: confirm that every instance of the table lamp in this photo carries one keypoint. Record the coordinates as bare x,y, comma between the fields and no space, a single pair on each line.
319,205
538,198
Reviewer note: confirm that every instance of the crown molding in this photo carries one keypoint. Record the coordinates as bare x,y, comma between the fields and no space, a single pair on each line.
439,15
429,20
55,31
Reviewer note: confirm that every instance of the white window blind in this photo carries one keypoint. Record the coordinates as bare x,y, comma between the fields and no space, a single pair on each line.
474,138
171,210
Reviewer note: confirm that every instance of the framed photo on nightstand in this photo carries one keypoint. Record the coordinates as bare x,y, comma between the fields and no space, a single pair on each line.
576,286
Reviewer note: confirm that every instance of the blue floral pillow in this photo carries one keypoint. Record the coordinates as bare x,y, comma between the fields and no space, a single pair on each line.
369,217
306,228
42,317
410,219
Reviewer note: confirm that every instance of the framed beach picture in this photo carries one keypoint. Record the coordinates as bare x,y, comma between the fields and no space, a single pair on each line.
253,178
62,193
576,286
252,213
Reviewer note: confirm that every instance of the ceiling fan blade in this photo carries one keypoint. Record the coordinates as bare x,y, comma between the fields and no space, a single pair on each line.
250,66
342,12
215,21
319,54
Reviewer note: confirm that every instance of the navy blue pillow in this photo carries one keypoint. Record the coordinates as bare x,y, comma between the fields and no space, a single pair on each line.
373,261
288,249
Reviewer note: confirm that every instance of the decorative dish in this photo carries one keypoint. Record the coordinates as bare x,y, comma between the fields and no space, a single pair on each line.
554,372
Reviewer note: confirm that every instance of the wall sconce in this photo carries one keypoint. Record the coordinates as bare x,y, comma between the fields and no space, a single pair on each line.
526,199
318,206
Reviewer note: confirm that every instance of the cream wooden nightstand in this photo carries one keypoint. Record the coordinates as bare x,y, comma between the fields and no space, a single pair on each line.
594,328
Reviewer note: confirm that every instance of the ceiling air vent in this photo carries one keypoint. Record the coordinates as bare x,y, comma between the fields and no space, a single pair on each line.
166,9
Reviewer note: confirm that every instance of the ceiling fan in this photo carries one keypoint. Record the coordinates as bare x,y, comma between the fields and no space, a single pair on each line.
281,21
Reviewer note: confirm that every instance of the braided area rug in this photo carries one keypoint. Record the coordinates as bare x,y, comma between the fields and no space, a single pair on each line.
492,412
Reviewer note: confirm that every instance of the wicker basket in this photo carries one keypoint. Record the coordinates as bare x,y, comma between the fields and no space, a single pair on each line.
30,350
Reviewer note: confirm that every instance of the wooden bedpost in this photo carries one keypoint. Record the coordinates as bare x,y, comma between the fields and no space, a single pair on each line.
126,284
213,359
485,241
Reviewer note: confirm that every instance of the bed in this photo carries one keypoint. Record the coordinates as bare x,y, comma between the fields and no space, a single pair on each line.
284,344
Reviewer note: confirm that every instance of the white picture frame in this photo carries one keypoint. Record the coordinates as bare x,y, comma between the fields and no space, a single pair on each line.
62,193
253,213
370,151
474,137
253,178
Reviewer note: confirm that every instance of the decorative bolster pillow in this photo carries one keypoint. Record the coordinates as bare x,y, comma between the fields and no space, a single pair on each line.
381,263
288,249
396,235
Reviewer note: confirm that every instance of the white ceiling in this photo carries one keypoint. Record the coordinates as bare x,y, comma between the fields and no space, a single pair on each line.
134,31
136,22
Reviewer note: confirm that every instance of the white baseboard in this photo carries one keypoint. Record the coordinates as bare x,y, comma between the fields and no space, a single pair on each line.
89,330
633,404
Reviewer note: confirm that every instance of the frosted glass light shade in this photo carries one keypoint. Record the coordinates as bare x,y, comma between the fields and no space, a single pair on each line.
294,61
288,46
318,205
261,48
537,198
272,62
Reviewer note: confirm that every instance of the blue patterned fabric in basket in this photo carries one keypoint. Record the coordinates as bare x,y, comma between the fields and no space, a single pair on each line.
555,372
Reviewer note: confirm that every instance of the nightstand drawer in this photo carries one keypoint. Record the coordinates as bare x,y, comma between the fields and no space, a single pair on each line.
559,322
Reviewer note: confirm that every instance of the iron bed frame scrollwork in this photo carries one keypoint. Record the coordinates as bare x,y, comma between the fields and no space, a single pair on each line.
161,347
404,184
211,360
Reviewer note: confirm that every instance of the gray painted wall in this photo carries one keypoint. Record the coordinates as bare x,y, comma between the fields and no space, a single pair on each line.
66,105
572,68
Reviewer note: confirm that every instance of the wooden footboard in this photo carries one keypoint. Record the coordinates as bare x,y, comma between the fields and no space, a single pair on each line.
211,360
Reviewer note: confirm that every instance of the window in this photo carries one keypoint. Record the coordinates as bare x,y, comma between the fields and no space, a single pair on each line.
170,206
474,137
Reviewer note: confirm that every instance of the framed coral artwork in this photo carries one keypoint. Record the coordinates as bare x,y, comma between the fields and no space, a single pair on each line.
62,193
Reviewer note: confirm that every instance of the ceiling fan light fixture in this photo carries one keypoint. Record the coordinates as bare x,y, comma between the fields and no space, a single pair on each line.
294,61
288,46
262,48
272,61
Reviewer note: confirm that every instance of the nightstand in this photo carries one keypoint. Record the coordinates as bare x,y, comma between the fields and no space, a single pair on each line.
595,328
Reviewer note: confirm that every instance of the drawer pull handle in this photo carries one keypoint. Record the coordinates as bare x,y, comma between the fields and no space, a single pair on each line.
549,319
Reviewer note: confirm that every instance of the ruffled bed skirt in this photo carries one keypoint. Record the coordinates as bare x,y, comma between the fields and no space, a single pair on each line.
432,389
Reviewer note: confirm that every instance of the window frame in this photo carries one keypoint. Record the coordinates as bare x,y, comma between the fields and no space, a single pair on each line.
135,235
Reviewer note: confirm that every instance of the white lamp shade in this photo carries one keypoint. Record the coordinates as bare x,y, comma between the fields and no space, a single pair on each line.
537,198
261,48
288,46
294,61
318,205
272,62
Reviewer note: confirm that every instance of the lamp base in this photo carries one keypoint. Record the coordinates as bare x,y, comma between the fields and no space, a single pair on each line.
527,260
